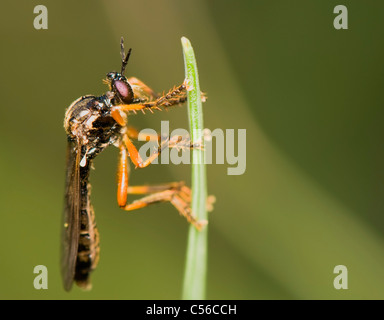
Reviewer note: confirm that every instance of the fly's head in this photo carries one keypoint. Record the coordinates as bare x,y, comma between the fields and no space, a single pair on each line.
118,83
120,87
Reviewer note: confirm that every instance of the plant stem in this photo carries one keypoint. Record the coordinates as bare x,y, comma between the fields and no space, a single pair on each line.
196,259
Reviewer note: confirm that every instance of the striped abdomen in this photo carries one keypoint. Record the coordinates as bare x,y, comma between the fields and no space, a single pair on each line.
88,248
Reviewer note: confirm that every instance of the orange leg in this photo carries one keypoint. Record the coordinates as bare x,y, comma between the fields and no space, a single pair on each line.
175,96
174,142
134,134
140,89
176,193
122,177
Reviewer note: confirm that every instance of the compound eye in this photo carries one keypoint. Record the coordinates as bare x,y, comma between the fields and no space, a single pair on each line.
124,90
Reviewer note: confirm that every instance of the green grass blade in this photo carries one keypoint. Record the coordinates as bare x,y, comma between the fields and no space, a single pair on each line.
196,259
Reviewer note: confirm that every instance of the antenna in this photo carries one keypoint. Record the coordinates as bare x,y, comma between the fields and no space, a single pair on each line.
124,58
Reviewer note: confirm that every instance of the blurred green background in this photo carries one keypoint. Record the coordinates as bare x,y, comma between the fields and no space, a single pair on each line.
309,96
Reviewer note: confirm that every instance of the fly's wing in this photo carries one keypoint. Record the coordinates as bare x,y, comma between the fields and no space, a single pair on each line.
71,224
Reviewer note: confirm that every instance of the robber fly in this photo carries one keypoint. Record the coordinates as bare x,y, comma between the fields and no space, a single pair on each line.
93,123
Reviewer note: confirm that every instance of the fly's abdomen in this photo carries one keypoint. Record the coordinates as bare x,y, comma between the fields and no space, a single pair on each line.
88,249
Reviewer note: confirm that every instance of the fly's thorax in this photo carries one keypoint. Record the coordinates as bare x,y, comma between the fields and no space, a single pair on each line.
88,121
76,113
